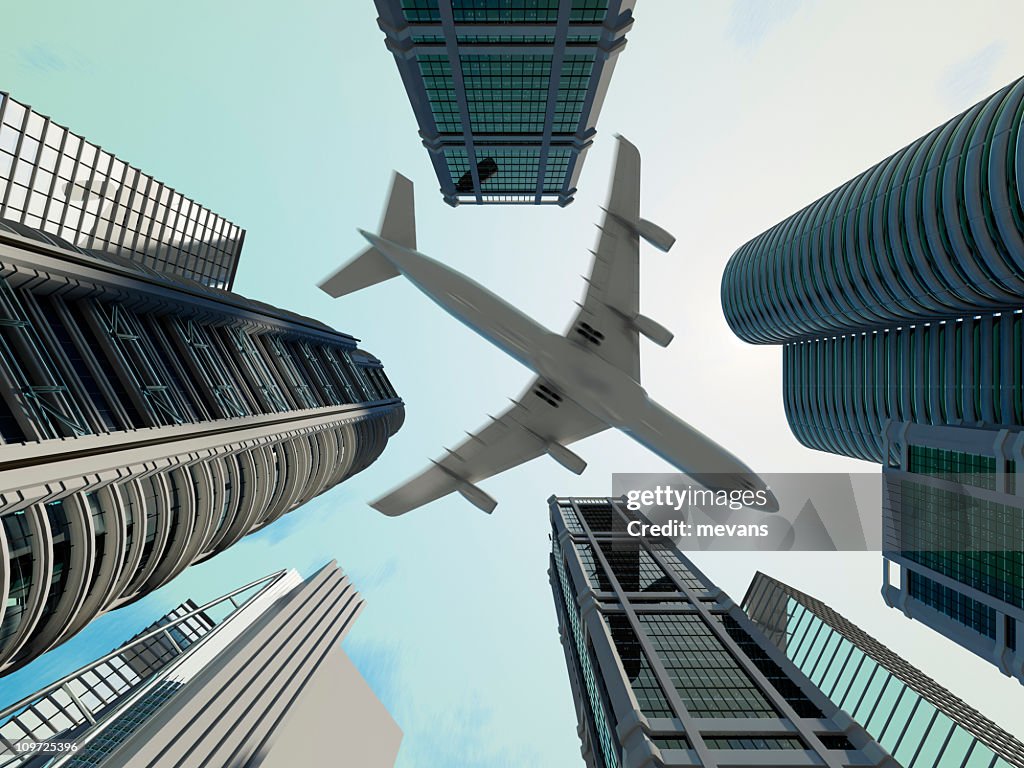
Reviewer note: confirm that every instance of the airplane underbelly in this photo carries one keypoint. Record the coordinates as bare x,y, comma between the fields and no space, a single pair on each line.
688,449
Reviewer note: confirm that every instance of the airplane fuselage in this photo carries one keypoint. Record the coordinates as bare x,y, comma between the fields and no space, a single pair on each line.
577,373
598,387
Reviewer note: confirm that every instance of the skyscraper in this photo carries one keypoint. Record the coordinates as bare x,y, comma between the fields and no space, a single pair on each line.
953,536
667,670
898,301
918,721
54,181
149,651
149,421
506,94
897,296
264,684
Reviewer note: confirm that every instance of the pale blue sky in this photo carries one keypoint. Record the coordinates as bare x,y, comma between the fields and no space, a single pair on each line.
288,119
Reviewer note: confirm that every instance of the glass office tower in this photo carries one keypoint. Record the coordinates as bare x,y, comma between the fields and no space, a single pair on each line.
256,677
898,295
666,670
54,181
149,420
898,300
506,94
917,720
953,536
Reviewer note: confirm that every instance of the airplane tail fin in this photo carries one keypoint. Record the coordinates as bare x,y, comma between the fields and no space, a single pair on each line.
371,266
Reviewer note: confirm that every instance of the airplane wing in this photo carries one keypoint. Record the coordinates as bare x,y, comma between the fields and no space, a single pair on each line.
609,320
613,295
539,421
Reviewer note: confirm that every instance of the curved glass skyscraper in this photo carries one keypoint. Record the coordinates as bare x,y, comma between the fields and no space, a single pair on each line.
898,295
898,301
148,418
931,233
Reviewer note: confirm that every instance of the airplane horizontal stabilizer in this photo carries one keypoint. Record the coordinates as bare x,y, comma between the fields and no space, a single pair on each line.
371,266
368,268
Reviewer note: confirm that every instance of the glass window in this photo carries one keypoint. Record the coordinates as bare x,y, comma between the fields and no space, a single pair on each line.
644,683
54,136
800,622
14,113
926,732
707,678
871,695
857,666
884,706
956,749
820,661
29,150
831,675
980,757
901,715
9,138
816,637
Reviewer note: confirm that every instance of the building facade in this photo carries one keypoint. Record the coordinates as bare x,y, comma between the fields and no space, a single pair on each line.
953,536
897,296
667,671
149,651
149,421
267,697
898,301
920,723
54,181
506,95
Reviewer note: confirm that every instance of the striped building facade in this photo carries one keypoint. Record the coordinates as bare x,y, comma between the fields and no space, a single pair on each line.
150,419
898,295
55,181
264,682
898,300
920,723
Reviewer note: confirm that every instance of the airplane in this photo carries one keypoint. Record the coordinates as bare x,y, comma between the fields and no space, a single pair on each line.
588,379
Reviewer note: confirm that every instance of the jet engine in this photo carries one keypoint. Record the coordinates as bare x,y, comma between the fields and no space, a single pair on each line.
654,331
477,497
654,235
566,458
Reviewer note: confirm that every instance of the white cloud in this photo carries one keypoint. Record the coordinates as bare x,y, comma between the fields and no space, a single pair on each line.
970,80
751,21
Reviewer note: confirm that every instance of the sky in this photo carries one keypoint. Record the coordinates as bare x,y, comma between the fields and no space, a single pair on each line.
289,118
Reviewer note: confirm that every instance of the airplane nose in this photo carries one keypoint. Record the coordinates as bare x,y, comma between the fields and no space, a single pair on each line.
772,503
